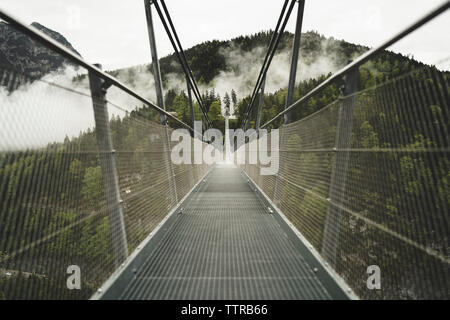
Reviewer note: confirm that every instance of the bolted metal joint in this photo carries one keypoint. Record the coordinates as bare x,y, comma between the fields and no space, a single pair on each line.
105,86
341,87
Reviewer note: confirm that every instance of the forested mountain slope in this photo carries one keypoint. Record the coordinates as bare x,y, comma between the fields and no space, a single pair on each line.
46,189
231,68
28,57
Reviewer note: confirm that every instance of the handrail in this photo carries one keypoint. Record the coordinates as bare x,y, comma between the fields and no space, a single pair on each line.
365,57
56,46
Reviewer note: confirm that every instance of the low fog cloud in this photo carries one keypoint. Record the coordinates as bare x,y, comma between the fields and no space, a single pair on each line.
38,113
245,66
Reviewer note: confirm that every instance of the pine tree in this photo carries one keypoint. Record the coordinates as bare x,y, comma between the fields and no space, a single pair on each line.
233,98
214,111
226,102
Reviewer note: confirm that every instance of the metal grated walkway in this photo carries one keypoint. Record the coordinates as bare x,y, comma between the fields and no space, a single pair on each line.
225,245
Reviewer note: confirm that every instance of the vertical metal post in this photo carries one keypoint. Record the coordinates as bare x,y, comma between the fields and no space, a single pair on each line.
160,100
191,172
290,93
261,98
278,183
108,165
155,61
190,103
258,124
204,126
339,171
294,60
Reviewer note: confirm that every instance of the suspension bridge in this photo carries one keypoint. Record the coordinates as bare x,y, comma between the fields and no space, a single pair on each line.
362,187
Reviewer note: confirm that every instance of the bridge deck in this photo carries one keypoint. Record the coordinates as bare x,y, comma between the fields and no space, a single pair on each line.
226,245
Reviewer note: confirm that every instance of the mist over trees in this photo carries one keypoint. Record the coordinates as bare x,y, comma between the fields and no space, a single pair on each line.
55,192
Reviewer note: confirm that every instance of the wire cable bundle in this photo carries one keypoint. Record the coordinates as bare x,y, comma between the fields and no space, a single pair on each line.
273,45
176,44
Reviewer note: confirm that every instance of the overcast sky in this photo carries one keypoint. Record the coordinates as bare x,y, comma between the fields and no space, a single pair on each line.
113,32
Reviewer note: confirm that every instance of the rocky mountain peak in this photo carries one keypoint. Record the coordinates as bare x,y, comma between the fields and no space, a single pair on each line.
27,57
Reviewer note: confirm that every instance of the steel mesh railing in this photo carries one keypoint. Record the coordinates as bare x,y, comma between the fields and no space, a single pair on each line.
365,180
381,199
142,159
54,210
